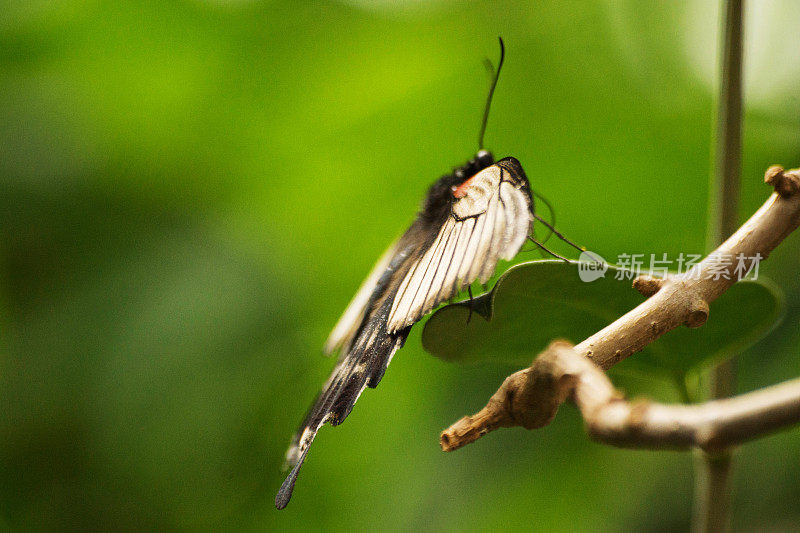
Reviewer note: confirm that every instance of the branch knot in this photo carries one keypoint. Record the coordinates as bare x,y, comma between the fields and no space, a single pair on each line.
785,183
647,285
698,313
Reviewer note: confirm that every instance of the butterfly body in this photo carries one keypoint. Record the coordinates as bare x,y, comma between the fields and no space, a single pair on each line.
472,218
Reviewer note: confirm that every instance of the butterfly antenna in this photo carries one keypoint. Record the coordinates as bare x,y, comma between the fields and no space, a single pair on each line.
491,93
489,67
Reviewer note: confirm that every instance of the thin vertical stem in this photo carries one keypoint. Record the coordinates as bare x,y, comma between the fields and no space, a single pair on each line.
712,486
723,215
712,499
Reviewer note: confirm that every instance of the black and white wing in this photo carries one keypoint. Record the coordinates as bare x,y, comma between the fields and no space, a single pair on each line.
458,237
345,329
489,220
367,348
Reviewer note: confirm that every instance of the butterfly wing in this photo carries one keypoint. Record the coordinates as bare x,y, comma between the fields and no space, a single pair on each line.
345,329
489,221
367,349
442,252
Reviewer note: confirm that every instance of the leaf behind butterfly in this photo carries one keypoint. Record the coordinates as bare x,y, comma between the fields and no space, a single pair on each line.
535,302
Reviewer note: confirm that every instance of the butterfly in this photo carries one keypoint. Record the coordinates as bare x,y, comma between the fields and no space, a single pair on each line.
470,219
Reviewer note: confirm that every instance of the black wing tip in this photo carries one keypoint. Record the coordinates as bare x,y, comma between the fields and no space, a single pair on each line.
285,492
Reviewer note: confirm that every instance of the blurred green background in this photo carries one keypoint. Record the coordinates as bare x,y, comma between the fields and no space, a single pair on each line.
191,192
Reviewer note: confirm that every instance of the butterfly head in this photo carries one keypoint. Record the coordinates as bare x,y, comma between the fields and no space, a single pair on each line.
483,159
452,187
448,188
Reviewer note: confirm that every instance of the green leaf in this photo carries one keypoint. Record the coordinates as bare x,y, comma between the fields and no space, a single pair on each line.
535,302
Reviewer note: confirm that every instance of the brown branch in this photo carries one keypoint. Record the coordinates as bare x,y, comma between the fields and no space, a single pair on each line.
530,397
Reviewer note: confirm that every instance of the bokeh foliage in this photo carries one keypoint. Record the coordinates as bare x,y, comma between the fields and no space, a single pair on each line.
191,191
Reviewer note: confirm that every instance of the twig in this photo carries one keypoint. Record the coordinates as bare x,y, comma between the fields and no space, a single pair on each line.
530,397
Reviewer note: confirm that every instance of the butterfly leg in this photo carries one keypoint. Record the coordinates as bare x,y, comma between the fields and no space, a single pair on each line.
469,291
557,234
551,252
535,238
552,215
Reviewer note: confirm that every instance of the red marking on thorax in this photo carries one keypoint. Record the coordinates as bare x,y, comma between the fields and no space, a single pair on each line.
461,191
